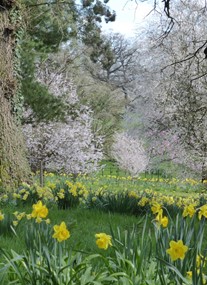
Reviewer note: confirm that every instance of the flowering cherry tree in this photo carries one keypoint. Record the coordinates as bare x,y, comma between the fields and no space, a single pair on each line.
129,153
69,145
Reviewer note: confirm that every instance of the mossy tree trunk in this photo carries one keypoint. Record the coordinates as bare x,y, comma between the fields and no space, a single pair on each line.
204,174
14,167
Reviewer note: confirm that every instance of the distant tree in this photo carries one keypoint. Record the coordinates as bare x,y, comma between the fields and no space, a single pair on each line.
115,61
107,104
129,153
69,146
175,98
167,10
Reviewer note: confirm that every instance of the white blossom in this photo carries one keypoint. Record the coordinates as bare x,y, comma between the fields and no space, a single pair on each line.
129,153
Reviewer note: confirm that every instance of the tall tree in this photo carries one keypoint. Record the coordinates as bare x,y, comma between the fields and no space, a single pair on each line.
13,164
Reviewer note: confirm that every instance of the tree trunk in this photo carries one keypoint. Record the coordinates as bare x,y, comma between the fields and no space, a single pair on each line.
41,174
204,174
14,167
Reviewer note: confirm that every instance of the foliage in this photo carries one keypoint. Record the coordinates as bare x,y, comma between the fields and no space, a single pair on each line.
187,230
50,26
69,194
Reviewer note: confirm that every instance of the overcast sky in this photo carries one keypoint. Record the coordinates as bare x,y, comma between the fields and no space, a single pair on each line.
129,16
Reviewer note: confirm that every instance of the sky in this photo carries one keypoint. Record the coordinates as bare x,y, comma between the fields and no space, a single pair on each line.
129,16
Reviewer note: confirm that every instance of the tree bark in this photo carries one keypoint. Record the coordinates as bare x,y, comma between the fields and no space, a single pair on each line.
204,174
14,166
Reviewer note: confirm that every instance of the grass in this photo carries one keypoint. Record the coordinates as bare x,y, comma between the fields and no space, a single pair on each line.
114,179
85,223
82,223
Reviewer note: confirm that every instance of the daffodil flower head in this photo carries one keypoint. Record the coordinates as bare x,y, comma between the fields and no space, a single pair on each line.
1,216
160,220
189,210
202,211
156,207
177,250
39,210
103,240
61,232
200,261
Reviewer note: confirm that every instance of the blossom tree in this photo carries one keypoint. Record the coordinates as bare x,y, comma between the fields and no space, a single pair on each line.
170,108
67,145
129,153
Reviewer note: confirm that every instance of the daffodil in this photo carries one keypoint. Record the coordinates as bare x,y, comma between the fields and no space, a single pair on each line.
202,211
189,211
15,223
61,232
189,274
156,207
143,201
38,220
1,216
28,216
39,210
61,195
103,240
200,261
160,220
177,250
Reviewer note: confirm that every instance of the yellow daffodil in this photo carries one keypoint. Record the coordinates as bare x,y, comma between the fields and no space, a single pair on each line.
61,195
94,199
202,211
1,216
39,210
20,216
22,191
161,221
25,196
189,211
133,194
103,240
156,207
189,274
29,216
143,201
200,261
38,220
61,232
177,250
73,191
15,223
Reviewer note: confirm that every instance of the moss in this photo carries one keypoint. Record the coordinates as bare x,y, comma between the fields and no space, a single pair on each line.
14,167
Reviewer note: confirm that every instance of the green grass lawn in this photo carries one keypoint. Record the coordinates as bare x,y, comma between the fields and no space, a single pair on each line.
82,223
